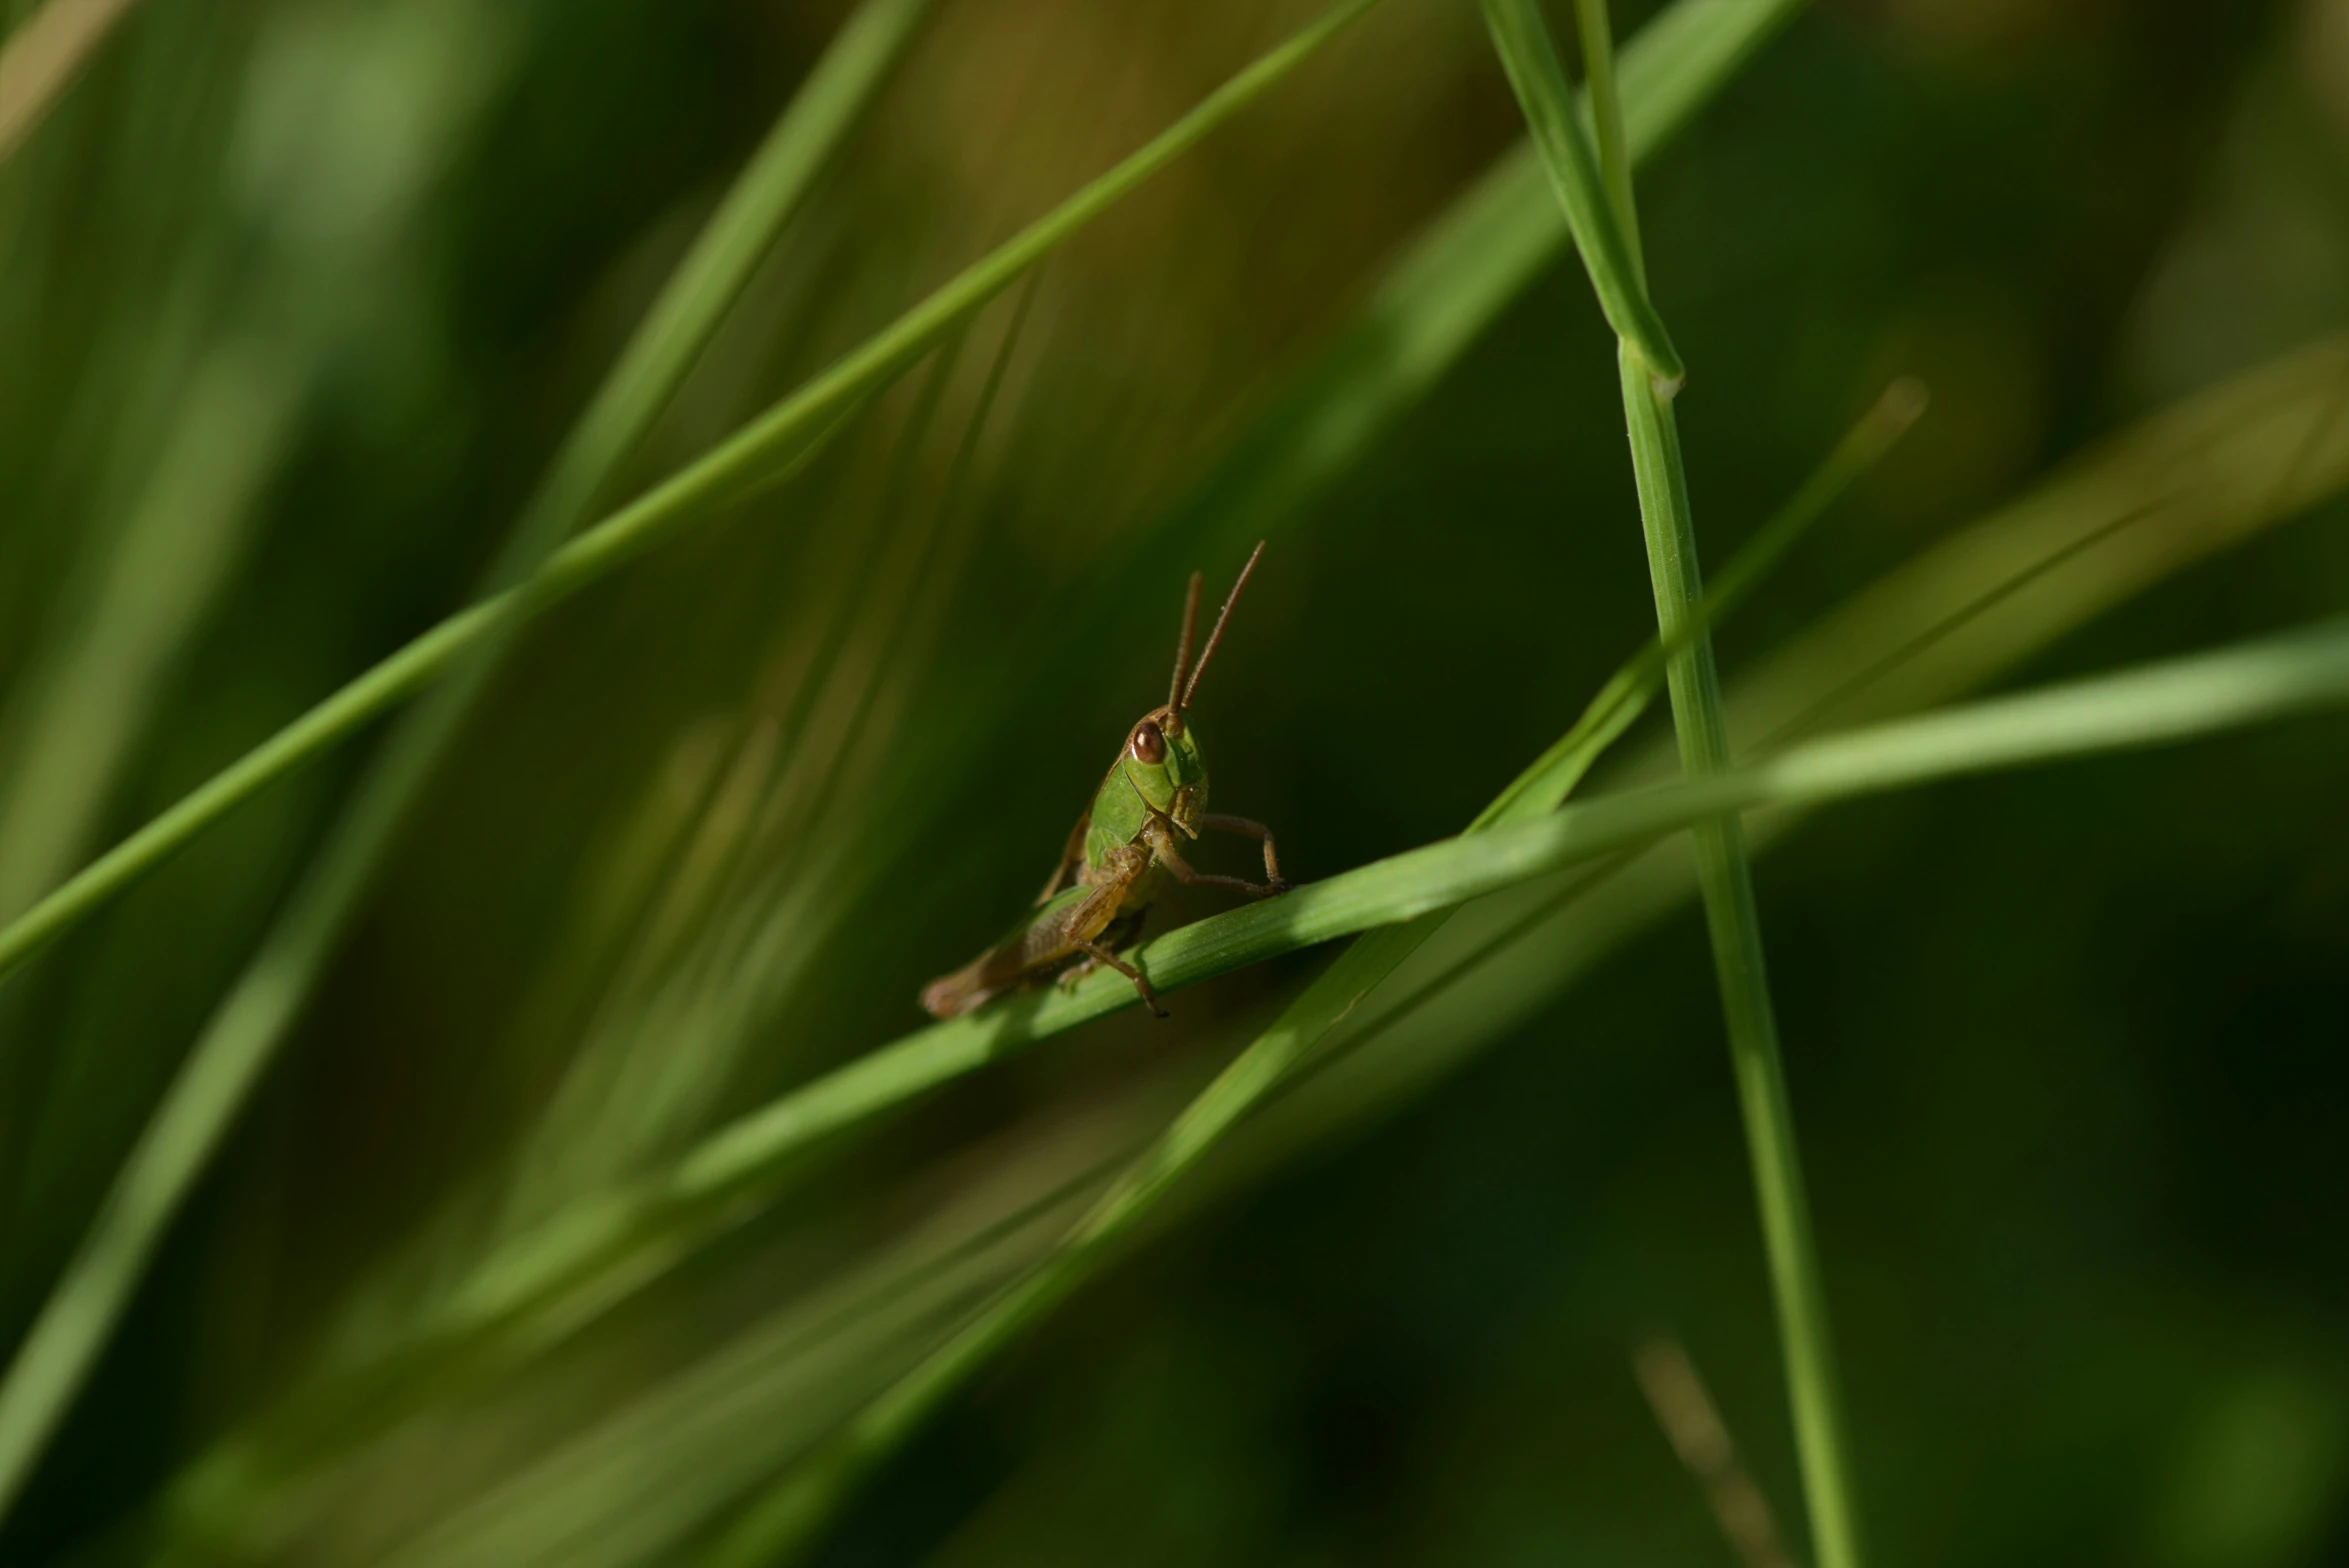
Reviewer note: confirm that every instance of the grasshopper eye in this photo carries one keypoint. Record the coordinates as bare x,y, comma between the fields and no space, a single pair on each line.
1149,745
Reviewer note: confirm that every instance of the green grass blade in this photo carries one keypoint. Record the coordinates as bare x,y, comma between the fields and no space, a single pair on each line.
1724,873
244,1032
1608,251
760,454
1606,113
1733,924
713,274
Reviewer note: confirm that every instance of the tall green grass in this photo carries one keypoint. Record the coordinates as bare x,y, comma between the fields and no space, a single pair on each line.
703,1259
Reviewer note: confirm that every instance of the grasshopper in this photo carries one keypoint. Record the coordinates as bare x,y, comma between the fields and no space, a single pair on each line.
1117,855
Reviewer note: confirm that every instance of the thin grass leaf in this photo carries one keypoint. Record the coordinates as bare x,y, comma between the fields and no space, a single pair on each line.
1732,921
244,1032
1604,235
761,454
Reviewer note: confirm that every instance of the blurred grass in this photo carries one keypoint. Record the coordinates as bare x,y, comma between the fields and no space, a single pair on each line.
718,815
243,1033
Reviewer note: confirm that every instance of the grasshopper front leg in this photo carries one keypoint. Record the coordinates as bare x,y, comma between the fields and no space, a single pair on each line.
1254,830
1159,834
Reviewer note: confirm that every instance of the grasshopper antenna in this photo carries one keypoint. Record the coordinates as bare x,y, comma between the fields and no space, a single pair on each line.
1216,635
1174,693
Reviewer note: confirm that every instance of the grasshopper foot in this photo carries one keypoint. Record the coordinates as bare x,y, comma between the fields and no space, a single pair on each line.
1097,954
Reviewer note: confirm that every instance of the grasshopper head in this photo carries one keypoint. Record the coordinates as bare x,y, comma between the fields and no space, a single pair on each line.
1162,761
1162,754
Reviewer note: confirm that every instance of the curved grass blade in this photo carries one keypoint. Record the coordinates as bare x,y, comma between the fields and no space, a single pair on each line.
2199,444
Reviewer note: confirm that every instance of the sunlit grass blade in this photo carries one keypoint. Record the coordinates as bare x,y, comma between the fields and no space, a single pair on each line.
1732,920
43,56
243,1034
756,456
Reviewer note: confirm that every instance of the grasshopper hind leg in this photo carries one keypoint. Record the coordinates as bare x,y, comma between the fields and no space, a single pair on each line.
1101,952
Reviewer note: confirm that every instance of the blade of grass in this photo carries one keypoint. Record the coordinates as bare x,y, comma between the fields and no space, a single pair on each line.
1726,879
251,1020
755,457
1605,234
2159,703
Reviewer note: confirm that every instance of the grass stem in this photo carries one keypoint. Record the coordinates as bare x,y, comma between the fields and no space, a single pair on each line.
1608,240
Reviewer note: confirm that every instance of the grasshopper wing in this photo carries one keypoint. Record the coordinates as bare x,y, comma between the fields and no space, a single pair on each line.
1072,859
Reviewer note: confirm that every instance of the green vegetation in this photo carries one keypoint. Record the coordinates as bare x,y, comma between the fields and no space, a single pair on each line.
750,458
